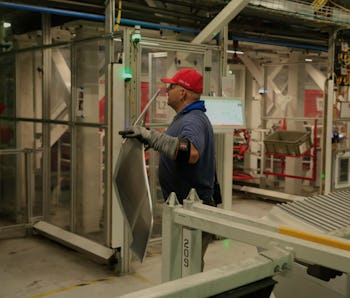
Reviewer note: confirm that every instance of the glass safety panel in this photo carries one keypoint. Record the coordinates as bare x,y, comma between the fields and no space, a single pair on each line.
59,203
28,84
20,186
60,90
7,101
89,85
12,205
89,182
52,113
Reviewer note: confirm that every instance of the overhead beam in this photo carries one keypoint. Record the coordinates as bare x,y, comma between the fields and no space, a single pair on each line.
230,11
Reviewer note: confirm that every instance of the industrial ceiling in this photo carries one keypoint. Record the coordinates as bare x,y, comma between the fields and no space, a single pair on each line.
257,22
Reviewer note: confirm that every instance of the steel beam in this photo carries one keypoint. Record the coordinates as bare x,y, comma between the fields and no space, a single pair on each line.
231,10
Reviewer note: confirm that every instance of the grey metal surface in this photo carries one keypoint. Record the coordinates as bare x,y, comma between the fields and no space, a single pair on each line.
216,281
326,212
131,185
96,251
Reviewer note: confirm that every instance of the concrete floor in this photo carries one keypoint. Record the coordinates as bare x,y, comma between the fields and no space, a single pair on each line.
38,267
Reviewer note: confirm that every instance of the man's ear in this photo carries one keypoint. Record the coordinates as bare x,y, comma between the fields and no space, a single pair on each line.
182,94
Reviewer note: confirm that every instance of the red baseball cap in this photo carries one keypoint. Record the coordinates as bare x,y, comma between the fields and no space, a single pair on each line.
188,78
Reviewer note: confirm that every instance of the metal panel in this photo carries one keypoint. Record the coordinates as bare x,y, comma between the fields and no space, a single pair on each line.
97,251
131,185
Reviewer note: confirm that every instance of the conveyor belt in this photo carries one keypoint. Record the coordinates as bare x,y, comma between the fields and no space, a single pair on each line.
326,212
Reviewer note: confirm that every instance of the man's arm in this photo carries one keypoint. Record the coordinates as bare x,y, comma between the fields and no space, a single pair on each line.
174,148
194,155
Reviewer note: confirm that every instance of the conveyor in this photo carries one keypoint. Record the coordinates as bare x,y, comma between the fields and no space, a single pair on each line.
292,236
329,214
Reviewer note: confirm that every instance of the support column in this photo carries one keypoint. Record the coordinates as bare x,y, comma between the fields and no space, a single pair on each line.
191,241
224,166
295,108
46,108
171,241
327,170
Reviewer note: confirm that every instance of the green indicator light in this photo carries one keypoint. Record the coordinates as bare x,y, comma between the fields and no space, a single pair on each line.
227,243
136,37
323,176
127,75
230,72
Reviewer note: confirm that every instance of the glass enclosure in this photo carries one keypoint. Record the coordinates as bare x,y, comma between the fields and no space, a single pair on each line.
52,130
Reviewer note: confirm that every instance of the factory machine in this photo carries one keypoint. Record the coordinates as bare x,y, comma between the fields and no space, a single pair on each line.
303,246
52,159
299,254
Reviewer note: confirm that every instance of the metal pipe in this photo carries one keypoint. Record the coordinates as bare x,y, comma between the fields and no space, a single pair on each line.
280,43
157,26
91,16
151,25
53,11
143,113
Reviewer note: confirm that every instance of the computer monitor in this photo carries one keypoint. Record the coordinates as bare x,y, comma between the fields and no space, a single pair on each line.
224,113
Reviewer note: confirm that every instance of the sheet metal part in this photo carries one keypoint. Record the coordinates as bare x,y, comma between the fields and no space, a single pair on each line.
326,212
133,193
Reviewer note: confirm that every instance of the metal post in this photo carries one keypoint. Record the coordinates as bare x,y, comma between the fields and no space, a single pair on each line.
328,121
171,241
191,251
107,198
29,183
46,29
191,241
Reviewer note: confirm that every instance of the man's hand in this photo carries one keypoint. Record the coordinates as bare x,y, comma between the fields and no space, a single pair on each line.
158,141
138,132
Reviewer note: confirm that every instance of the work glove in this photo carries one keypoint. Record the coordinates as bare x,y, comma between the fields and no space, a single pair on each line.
160,142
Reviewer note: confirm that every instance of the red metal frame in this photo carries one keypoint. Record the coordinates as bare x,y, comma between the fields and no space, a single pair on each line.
309,152
240,149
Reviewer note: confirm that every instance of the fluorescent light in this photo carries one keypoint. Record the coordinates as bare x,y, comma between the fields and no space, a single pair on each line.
6,25
308,60
235,52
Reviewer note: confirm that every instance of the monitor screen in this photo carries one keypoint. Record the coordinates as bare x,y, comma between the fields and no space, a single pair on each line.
225,114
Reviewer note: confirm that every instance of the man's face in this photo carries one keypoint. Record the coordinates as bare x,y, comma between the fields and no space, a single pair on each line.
174,95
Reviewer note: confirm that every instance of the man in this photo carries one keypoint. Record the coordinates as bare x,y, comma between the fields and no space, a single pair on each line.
187,148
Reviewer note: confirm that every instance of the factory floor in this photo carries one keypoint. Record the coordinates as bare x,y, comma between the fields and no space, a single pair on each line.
38,267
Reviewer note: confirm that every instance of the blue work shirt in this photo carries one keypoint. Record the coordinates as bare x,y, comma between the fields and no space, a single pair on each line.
192,124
